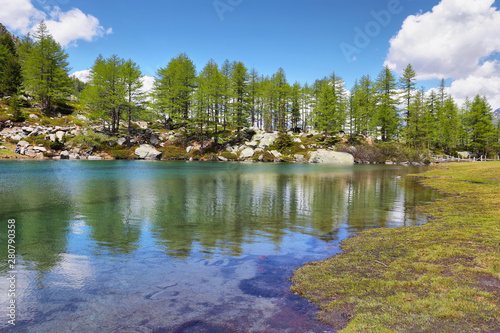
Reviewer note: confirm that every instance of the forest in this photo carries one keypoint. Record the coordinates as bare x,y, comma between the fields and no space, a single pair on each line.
224,98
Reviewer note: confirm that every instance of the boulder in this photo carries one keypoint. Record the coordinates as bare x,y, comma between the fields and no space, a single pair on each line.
18,137
299,158
23,143
40,149
95,158
64,155
276,153
247,153
268,139
147,152
297,140
154,140
222,159
121,141
142,124
252,144
3,148
60,135
74,156
27,129
30,152
52,137
189,149
464,154
332,157
33,116
39,156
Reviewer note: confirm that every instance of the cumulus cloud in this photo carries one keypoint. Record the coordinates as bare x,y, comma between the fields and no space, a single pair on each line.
83,76
458,39
66,27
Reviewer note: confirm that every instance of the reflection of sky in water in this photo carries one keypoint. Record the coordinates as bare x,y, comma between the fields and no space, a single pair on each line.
127,245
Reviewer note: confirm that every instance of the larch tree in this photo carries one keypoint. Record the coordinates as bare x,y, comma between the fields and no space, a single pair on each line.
45,69
134,94
407,86
387,101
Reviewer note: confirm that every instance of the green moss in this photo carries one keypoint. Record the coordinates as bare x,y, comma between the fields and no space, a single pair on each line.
440,277
174,153
230,156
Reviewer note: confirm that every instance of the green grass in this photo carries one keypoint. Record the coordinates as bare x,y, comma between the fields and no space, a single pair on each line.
440,277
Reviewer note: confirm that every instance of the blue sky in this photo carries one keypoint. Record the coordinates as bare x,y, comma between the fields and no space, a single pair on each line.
305,37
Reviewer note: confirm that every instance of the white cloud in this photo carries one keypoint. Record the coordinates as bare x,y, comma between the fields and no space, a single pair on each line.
66,27
83,76
458,39
147,83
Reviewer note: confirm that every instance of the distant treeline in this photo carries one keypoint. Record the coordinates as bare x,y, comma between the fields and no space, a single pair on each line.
230,96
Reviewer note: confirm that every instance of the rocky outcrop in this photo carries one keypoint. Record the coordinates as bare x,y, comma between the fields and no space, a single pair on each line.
147,152
330,157
247,153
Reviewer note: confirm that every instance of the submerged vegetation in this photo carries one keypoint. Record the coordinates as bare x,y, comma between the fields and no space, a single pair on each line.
443,276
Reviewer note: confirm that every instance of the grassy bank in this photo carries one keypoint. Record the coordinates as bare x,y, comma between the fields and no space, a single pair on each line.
440,277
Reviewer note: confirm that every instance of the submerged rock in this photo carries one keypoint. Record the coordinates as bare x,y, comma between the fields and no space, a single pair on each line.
332,157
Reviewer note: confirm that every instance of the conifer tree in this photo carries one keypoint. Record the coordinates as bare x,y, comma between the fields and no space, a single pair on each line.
45,69
387,100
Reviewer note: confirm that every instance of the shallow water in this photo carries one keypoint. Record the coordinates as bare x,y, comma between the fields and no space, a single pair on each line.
120,246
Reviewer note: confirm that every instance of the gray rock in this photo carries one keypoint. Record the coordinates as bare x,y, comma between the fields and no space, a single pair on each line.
33,116
261,158
23,143
252,144
332,157
18,137
268,139
299,158
52,137
121,141
142,124
276,153
64,155
3,148
95,158
464,154
247,153
297,140
60,135
74,156
222,159
27,129
40,149
189,149
154,140
147,152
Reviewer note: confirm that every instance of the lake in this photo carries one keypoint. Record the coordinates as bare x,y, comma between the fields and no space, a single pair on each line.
136,246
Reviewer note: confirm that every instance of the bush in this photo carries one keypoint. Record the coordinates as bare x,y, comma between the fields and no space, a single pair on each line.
283,142
122,154
57,145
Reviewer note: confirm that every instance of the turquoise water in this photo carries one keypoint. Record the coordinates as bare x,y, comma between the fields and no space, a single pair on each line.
121,246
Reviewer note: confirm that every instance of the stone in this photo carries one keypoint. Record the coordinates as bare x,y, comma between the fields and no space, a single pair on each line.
222,159
95,158
252,144
60,135
40,149
189,149
39,156
52,137
64,155
299,158
23,143
261,158
332,157
74,156
3,148
121,141
142,124
276,153
30,152
154,140
33,116
147,152
268,139
297,140
18,137
27,129
247,153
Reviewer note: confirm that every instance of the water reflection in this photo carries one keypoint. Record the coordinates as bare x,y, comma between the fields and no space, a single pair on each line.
91,234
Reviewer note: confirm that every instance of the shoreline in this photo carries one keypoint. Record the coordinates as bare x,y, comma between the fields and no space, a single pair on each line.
439,276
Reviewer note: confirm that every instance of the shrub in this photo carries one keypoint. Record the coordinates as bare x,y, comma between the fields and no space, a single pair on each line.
122,154
283,142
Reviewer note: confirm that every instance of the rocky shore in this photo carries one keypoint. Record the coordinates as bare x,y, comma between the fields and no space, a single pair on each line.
73,142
